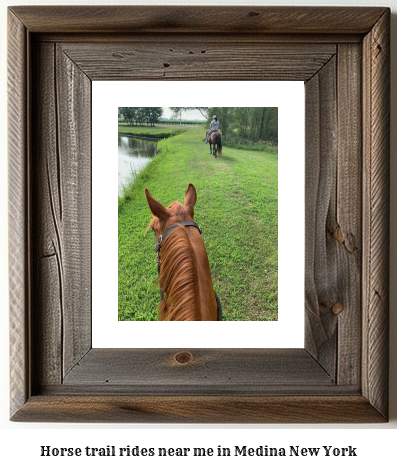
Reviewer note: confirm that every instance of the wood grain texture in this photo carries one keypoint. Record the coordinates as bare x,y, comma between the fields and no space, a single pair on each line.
48,249
229,59
193,19
74,125
62,205
341,376
18,211
245,37
207,369
322,286
347,228
376,92
199,409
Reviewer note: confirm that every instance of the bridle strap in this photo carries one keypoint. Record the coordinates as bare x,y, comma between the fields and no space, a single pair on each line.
161,237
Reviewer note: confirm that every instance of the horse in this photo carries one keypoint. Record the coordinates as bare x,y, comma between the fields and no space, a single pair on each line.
215,139
184,270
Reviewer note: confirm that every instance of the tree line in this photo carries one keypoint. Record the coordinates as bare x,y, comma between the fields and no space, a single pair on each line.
139,116
254,124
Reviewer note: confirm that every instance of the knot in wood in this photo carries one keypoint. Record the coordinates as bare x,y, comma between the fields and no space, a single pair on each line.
338,235
183,358
337,308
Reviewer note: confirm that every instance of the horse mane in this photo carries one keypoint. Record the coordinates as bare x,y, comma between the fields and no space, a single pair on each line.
178,278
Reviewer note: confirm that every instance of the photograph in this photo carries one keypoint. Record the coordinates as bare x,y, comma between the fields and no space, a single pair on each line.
202,184
198,230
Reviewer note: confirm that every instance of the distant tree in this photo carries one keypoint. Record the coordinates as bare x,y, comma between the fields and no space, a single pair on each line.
251,123
225,117
140,115
257,123
177,112
128,114
266,131
153,115
242,120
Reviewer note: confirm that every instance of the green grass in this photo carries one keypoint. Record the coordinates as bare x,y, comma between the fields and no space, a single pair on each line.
237,209
150,131
246,144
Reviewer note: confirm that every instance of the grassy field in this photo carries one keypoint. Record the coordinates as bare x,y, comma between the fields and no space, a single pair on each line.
237,210
150,131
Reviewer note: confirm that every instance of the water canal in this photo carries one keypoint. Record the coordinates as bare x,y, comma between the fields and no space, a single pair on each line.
133,154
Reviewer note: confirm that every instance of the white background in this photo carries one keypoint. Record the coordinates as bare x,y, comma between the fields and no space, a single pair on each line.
288,331
20,442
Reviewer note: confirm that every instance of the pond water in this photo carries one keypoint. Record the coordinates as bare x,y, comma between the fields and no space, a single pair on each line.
134,154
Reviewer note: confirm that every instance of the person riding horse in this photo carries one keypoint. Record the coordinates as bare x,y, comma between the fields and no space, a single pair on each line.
214,126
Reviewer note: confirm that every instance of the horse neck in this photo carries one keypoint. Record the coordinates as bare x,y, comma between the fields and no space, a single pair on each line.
179,279
208,304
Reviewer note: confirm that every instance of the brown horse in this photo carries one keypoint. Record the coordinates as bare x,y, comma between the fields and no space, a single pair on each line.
184,274
215,140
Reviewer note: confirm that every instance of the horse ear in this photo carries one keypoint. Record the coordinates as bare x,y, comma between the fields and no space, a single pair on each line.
190,196
156,208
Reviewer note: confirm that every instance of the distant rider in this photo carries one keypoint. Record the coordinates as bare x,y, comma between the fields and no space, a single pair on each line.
214,126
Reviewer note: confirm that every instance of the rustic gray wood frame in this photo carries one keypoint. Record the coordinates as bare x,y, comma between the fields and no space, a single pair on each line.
342,54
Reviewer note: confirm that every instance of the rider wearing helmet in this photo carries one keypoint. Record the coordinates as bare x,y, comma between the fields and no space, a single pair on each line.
214,126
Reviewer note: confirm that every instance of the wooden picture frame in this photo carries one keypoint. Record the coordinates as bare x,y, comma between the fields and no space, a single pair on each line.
342,54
